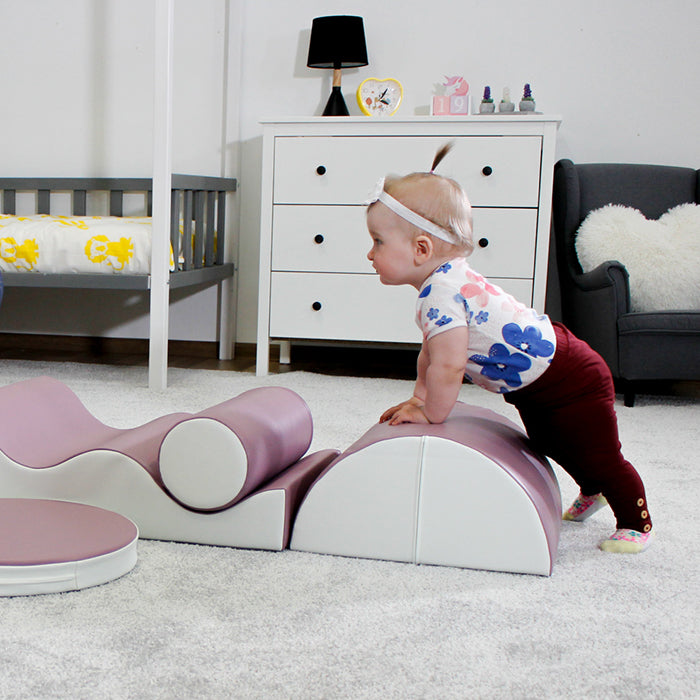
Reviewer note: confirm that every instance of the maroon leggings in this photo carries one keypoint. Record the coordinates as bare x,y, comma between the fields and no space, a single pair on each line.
569,415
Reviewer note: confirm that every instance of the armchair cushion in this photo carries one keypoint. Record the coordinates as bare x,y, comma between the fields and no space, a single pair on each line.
660,345
661,256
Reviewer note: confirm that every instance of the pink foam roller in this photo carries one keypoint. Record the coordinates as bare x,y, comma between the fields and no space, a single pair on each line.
219,456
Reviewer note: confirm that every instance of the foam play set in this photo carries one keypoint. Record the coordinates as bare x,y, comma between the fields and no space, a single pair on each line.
76,493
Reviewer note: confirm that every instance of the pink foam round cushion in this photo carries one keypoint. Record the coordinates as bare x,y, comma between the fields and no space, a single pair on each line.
37,531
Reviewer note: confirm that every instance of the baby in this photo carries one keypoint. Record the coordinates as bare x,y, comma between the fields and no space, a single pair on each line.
421,229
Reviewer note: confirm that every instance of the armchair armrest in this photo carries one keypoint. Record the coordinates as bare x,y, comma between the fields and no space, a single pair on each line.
610,274
596,300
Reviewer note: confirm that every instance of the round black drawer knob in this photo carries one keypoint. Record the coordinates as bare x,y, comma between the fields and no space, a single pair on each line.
318,238
316,306
487,170
321,170
483,242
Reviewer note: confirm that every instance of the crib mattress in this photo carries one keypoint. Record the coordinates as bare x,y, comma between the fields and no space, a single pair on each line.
44,243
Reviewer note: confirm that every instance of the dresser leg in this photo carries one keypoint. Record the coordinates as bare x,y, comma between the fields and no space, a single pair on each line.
285,352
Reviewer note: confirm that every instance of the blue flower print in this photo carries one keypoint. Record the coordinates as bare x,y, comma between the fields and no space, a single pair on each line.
501,365
528,341
482,317
433,313
444,268
468,312
425,292
443,321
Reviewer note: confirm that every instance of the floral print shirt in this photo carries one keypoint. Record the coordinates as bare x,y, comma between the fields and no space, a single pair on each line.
510,345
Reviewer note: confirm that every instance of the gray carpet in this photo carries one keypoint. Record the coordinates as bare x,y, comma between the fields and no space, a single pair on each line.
203,622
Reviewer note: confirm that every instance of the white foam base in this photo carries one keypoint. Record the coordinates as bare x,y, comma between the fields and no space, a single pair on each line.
67,576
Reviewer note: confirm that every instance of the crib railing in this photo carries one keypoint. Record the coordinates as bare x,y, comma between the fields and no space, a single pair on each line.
197,225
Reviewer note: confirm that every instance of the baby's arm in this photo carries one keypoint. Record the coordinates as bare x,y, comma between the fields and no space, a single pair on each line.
444,374
440,373
418,398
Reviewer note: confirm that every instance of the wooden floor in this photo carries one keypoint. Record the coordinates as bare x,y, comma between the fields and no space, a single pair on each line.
392,363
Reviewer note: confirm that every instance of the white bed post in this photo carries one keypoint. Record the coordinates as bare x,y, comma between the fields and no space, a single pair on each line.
162,180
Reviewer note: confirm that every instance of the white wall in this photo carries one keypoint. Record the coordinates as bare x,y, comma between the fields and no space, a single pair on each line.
621,73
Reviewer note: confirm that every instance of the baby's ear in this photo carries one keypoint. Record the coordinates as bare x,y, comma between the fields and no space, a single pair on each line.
423,248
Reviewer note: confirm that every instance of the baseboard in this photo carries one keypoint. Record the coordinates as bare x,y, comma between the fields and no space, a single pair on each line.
97,347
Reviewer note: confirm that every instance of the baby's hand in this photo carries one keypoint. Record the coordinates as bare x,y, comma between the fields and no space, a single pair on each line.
390,412
408,413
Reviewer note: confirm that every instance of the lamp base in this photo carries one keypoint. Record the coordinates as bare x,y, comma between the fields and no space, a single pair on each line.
336,107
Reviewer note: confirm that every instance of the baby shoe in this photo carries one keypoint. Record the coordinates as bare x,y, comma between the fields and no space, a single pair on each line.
584,506
627,541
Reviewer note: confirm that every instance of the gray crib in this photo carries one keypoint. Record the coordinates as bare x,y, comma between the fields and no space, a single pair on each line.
197,228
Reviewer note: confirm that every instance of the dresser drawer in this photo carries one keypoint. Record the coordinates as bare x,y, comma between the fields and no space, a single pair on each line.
348,307
352,307
320,239
309,238
493,170
504,242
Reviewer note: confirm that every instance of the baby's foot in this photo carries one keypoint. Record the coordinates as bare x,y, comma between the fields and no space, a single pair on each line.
627,541
584,506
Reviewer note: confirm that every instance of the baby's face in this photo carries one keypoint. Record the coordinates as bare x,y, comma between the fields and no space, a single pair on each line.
391,254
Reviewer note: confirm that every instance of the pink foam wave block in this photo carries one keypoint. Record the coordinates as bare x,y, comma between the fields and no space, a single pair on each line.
203,478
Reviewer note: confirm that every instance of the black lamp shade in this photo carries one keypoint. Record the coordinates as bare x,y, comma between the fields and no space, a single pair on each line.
337,42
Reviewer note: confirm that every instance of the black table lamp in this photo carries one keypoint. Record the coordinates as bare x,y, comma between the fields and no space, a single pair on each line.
337,42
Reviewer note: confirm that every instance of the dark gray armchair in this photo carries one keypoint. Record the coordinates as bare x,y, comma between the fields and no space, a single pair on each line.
596,306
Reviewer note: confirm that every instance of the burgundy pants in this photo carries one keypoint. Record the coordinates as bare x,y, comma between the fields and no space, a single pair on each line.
569,415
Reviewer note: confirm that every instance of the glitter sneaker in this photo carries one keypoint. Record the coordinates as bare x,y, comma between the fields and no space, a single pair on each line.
627,541
584,506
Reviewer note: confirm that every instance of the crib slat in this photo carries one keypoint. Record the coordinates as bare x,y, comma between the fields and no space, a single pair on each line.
187,230
220,227
198,228
9,202
79,202
209,243
175,226
43,202
116,203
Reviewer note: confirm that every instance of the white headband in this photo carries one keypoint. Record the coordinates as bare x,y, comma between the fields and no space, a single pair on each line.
379,195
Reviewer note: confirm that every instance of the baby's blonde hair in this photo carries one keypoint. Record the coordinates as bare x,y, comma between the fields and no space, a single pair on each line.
438,199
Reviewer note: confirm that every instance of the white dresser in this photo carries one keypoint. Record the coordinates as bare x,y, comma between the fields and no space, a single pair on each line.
315,280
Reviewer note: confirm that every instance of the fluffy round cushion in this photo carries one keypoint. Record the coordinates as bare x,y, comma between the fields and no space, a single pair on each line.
662,256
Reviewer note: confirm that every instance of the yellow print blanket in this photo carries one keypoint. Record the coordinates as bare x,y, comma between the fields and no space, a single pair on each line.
80,244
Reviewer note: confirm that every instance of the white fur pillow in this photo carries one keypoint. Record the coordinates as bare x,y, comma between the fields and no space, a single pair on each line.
662,256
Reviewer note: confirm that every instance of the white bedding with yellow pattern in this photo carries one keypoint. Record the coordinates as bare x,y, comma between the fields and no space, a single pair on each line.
81,244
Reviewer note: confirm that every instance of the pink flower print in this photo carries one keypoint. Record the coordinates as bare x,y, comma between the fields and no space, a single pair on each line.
514,306
479,291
